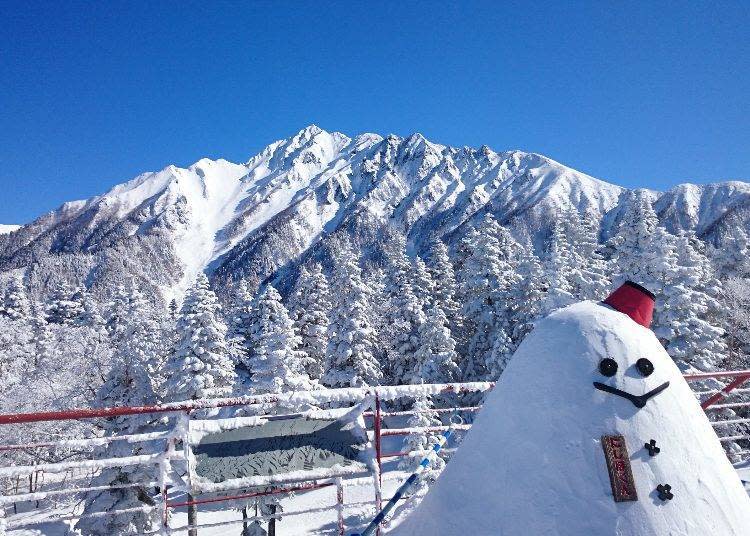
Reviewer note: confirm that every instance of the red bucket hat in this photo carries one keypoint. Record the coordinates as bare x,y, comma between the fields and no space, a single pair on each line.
635,301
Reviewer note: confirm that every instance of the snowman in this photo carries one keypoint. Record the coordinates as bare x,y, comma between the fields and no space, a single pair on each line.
591,430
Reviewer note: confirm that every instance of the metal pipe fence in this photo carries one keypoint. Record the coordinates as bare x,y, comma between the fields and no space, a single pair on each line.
719,393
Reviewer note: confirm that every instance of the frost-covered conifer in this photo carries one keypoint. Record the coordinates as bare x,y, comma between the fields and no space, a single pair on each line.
128,383
277,366
737,303
65,305
420,441
445,286
200,364
350,359
527,296
91,315
15,304
424,286
241,322
487,277
404,313
560,270
310,307
436,356
632,243
691,323
590,278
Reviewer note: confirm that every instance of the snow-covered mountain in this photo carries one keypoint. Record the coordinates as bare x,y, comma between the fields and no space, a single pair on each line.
255,218
5,228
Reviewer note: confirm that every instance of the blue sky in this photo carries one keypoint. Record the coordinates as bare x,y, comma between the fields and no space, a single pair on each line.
92,94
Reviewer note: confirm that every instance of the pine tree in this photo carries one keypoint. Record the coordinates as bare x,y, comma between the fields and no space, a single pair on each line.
277,366
445,287
560,270
436,356
128,383
404,313
241,323
591,278
527,296
487,277
65,305
694,336
310,307
502,350
16,303
420,441
632,243
200,364
350,359
424,286
91,315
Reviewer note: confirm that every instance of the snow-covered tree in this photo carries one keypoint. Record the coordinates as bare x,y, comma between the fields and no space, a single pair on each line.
310,307
590,277
200,364
404,313
486,277
690,324
731,258
424,286
436,356
241,320
276,366
350,359
128,383
420,441
65,305
560,269
737,302
445,286
16,304
527,296
91,315
632,243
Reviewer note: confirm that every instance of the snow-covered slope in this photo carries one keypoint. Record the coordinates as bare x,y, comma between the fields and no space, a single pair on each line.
5,228
251,219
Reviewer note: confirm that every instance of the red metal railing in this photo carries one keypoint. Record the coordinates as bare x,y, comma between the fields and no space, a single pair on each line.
378,426
376,396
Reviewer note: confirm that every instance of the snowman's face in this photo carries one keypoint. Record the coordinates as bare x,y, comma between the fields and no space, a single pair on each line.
608,368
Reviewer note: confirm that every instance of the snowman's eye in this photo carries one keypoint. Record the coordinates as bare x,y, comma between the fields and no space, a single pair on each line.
608,366
644,366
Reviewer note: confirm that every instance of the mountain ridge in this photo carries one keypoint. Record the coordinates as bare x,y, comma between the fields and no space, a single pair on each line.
254,218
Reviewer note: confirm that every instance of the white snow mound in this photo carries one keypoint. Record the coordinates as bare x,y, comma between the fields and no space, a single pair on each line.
533,462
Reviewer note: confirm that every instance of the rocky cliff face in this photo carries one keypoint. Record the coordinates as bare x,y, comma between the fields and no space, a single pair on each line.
256,219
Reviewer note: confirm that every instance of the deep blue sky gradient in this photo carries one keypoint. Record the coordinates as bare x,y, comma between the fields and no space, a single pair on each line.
91,94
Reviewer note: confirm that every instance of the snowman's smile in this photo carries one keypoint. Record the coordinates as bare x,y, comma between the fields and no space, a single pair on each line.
638,401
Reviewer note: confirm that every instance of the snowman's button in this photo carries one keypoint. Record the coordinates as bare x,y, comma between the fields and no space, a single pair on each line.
665,492
652,449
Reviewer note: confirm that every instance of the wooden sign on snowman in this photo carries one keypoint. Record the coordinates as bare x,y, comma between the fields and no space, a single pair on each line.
590,430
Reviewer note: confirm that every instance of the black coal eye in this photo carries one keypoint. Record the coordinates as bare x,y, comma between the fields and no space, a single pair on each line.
608,367
644,366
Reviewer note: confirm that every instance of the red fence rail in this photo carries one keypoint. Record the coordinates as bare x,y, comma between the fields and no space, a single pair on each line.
727,384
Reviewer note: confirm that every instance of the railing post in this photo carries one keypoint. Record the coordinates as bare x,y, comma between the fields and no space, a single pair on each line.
165,467
340,506
378,454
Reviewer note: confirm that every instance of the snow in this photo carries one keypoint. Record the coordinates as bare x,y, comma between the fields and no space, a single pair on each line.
6,228
517,473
